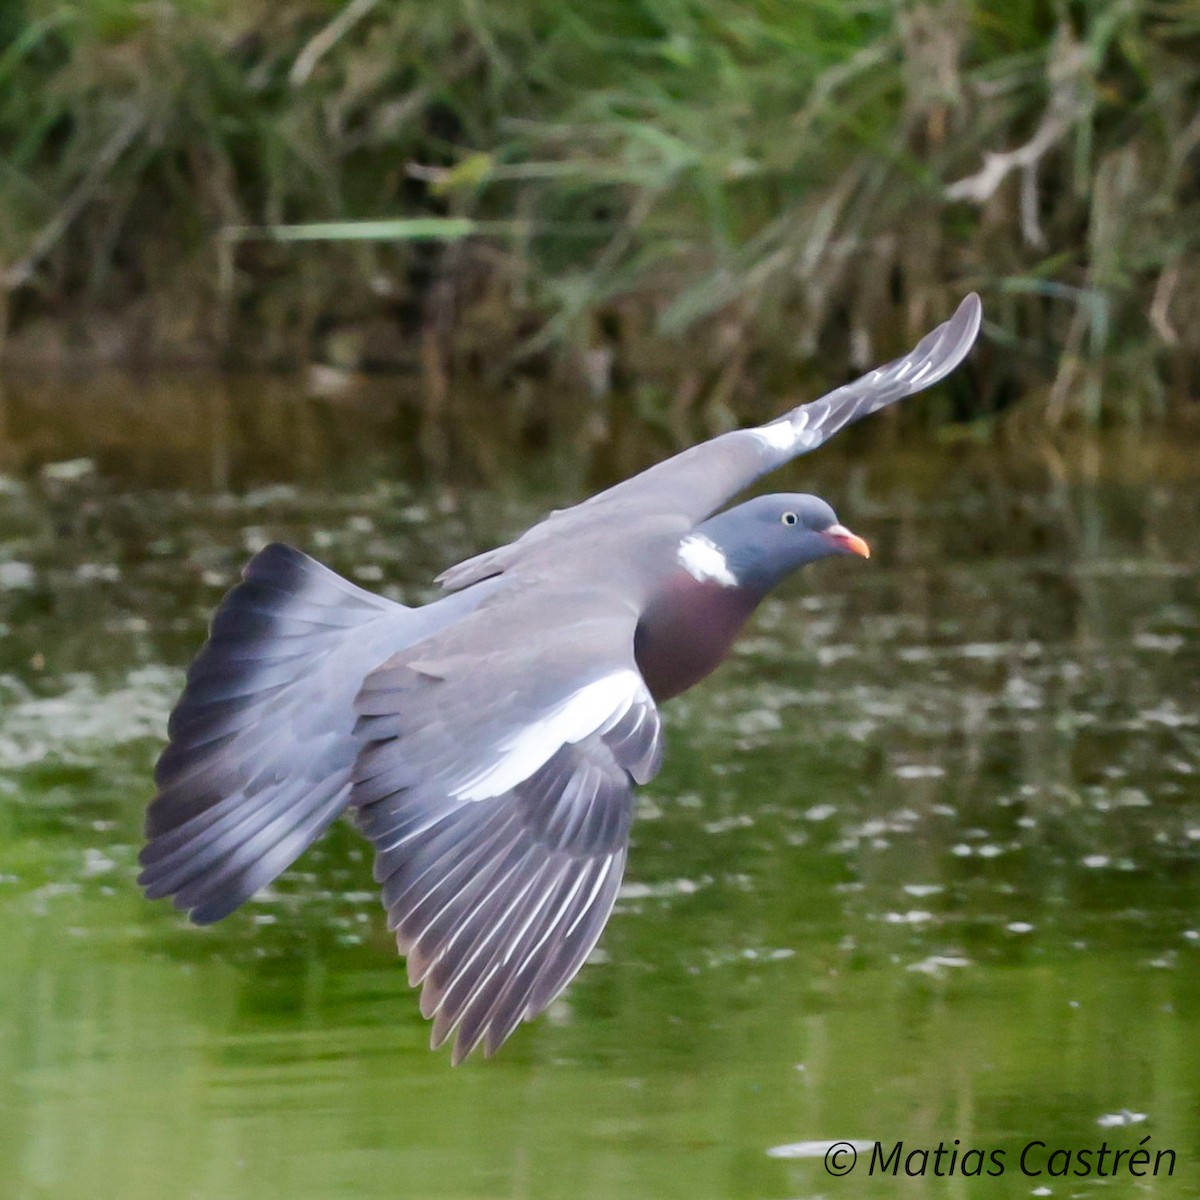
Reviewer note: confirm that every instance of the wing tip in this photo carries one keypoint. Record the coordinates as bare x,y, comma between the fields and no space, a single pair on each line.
968,314
940,352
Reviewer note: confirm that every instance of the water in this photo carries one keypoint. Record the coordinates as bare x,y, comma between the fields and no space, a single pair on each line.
921,865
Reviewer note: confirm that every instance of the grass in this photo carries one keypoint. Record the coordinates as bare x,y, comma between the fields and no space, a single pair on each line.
689,198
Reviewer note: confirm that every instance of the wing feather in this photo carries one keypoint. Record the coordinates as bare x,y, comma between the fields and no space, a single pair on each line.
499,863
696,483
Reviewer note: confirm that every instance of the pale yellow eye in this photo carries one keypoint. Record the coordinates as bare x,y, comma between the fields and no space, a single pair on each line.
789,518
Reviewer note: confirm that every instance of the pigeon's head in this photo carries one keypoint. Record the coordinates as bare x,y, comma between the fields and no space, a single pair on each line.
766,539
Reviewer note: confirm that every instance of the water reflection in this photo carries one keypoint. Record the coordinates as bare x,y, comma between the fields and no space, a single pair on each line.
920,865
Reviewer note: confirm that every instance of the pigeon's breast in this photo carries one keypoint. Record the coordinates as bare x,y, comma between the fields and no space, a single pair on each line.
687,629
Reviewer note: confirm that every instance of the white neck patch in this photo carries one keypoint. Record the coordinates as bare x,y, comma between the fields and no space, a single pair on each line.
704,562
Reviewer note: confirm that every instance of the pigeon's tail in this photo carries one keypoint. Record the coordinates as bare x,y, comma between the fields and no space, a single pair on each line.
262,739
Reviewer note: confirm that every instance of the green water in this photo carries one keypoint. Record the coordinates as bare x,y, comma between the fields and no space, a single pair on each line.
921,864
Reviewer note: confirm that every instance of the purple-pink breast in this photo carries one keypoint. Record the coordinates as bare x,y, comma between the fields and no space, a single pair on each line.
687,630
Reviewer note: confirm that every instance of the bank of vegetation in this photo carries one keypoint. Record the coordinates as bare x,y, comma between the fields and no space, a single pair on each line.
687,198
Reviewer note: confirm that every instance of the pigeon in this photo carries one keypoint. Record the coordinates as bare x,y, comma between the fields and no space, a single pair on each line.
488,744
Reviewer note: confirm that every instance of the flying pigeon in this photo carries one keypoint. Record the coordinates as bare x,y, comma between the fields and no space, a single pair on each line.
488,743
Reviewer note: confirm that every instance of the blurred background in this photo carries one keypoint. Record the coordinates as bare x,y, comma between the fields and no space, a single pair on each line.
389,279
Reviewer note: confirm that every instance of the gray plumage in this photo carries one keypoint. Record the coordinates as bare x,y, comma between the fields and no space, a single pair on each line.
488,743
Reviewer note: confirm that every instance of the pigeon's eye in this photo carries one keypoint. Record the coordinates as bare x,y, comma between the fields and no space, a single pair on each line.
789,518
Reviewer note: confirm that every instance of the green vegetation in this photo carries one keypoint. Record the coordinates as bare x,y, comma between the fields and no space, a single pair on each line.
689,196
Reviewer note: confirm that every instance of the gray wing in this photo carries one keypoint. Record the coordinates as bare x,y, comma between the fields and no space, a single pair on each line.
498,793
696,483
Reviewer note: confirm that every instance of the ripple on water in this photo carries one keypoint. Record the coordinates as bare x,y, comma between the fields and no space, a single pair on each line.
816,1148
83,719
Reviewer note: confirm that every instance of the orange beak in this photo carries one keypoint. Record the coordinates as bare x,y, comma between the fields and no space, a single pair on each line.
850,542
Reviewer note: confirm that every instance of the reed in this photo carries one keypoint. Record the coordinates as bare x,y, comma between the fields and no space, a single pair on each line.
691,199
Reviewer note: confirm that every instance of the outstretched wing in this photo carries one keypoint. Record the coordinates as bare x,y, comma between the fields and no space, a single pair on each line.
694,484
499,808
